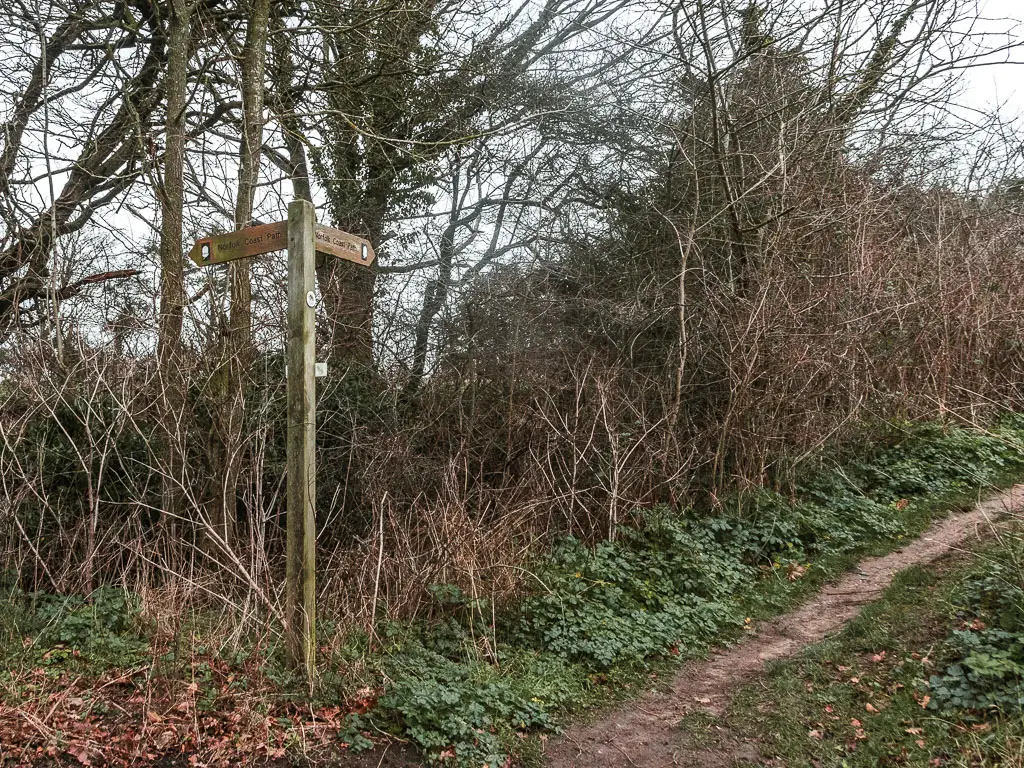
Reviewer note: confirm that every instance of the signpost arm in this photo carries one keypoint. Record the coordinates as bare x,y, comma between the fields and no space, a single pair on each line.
300,588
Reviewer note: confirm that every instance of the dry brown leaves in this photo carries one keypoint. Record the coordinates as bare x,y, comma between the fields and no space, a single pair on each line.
130,718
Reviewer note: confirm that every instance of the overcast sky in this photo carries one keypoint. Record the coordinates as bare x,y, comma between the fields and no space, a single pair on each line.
999,83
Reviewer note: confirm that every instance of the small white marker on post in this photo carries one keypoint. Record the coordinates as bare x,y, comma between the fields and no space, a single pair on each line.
300,587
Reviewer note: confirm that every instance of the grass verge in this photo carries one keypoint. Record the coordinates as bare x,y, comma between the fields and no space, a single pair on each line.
879,692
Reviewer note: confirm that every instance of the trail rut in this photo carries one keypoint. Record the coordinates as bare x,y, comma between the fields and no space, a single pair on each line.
645,733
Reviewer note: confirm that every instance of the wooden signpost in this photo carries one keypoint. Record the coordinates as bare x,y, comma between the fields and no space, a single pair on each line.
264,238
300,540
303,238
252,241
343,245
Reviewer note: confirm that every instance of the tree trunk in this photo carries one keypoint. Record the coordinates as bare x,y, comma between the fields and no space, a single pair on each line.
348,300
238,344
348,288
283,101
172,296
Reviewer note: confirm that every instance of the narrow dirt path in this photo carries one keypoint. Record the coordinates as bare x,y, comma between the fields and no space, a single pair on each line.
645,733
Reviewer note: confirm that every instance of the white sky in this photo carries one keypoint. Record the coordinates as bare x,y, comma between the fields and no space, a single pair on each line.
999,84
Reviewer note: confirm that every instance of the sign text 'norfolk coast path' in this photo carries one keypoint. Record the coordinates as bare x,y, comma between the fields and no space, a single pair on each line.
334,242
251,241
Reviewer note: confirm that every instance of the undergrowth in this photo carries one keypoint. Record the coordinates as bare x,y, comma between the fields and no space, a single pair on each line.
987,672
667,588
479,684
100,630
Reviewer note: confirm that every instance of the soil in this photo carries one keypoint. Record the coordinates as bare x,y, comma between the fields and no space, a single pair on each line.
645,733
388,755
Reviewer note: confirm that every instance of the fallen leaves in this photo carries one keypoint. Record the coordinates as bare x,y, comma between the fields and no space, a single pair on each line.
123,720
80,752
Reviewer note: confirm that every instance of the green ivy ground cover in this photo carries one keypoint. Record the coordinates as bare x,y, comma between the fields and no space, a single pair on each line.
986,671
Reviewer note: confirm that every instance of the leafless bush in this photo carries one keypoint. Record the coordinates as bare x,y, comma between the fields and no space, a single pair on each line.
612,276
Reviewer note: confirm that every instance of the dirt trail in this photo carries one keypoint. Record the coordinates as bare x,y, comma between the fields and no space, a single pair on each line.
645,733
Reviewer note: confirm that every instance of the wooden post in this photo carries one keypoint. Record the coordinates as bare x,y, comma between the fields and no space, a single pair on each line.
300,589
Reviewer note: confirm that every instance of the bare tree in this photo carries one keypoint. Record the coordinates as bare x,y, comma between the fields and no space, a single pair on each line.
123,47
232,375
172,282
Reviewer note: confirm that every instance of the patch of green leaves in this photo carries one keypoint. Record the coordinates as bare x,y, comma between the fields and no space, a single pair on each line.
988,671
669,582
461,712
352,734
104,628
